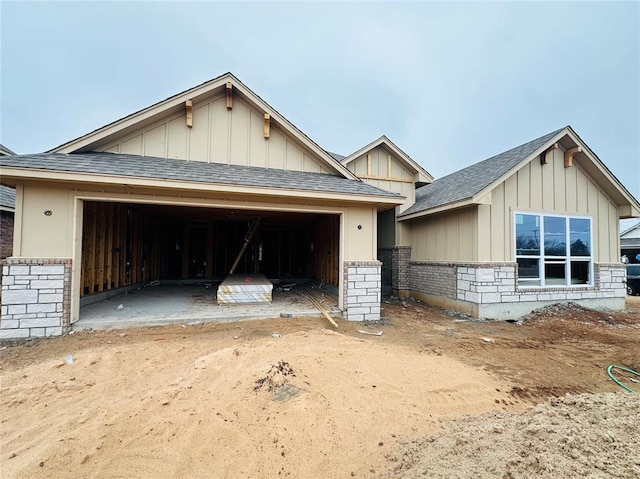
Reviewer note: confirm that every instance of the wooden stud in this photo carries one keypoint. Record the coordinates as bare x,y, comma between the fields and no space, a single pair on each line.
544,159
189,105
267,125
229,89
109,247
569,154
100,244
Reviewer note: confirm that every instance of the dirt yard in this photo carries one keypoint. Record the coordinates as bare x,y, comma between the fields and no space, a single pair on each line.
437,395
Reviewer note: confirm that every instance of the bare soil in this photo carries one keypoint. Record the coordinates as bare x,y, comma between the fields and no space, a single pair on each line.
437,393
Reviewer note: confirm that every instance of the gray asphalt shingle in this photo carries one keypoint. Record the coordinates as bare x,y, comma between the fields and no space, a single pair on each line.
7,197
191,171
464,184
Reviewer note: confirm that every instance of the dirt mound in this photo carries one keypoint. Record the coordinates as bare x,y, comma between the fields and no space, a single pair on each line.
588,435
568,311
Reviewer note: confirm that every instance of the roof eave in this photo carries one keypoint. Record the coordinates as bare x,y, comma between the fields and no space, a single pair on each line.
440,209
31,174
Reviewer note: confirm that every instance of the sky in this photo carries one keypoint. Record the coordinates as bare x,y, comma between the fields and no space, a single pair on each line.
451,83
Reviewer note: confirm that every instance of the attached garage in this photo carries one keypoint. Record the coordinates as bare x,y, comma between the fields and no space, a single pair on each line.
169,194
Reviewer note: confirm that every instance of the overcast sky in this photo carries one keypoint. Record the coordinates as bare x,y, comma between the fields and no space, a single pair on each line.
450,83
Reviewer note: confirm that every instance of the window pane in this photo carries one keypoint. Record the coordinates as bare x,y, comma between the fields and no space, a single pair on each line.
528,272
527,234
554,273
555,236
580,272
579,230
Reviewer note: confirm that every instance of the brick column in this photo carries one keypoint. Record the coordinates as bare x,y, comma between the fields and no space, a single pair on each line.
36,297
362,290
400,257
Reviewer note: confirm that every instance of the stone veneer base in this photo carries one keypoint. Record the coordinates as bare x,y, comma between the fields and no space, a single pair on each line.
35,297
362,290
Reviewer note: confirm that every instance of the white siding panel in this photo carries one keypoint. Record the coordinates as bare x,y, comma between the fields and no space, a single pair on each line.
258,150
132,146
294,157
219,151
177,138
240,118
155,141
199,134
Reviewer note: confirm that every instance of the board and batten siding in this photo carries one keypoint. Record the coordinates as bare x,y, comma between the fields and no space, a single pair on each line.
549,188
450,237
379,168
219,135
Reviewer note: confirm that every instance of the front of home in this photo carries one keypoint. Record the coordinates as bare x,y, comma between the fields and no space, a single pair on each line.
169,192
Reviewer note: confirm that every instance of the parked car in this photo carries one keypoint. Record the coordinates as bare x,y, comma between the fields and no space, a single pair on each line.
633,279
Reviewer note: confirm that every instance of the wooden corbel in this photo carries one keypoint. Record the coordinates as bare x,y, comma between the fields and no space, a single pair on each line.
189,106
568,156
267,125
544,159
229,96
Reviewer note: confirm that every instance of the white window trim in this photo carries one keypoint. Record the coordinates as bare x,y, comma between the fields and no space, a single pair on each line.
541,257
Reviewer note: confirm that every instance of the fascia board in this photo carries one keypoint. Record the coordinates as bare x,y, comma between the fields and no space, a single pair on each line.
92,178
487,189
439,209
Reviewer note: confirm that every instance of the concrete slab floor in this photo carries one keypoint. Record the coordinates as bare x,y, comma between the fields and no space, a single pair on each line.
189,303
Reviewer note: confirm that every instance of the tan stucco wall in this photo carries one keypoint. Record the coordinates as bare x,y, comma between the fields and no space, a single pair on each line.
549,188
449,236
219,135
40,236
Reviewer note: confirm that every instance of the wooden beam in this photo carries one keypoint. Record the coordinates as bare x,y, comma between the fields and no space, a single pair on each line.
267,125
544,159
229,88
247,239
189,105
386,178
569,154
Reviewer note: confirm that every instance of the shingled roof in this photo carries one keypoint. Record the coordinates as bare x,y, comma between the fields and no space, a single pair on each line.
466,183
135,166
7,198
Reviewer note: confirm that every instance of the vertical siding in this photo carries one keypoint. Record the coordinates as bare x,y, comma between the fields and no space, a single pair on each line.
549,188
445,237
219,135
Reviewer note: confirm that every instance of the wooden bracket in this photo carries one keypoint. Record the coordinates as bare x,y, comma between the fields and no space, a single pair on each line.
229,96
568,156
189,105
267,125
544,159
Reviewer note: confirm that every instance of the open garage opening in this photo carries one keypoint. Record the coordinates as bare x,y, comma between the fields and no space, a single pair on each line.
184,253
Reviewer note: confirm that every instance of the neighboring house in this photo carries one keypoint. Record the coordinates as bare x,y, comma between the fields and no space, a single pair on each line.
630,243
170,191
7,213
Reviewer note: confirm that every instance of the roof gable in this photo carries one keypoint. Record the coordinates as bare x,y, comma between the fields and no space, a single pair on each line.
471,184
422,176
305,151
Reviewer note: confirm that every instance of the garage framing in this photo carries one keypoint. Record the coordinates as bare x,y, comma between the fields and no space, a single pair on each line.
81,269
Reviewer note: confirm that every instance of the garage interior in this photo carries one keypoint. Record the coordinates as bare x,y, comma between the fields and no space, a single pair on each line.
176,256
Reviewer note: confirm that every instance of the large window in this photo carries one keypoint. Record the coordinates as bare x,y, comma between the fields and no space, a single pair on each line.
553,250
